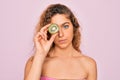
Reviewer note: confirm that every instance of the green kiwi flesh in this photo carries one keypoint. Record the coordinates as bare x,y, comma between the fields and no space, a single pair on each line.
53,28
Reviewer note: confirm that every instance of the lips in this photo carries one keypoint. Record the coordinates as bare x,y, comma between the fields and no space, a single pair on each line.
62,41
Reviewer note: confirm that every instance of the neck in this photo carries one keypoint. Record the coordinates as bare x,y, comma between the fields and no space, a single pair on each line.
63,52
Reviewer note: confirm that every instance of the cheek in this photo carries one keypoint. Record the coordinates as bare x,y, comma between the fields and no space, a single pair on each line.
69,34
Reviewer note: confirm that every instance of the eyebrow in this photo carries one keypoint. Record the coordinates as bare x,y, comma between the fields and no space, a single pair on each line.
65,23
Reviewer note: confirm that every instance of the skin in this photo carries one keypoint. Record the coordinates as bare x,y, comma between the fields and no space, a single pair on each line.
63,62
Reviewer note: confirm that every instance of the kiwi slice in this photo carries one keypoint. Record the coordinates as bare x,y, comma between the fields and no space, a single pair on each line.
53,28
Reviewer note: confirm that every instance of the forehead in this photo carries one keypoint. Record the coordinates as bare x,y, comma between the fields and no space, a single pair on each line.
60,19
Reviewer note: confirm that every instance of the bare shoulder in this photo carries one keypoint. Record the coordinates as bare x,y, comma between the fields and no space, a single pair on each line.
88,59
89,62
90,66
28,65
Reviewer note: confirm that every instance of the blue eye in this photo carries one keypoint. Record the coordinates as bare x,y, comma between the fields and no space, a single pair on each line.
66,26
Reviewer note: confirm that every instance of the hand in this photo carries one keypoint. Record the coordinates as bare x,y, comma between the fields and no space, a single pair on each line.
43,45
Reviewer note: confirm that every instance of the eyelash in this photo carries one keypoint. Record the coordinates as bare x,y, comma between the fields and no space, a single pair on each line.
65,26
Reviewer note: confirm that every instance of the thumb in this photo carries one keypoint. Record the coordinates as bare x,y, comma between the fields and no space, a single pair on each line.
53,37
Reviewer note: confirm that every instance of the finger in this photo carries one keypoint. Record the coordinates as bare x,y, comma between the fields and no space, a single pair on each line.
39,36
53,37
45,28
42,34
44,31
45,36
36,36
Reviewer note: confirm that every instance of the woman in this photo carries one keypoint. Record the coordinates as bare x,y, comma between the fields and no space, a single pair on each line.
57,56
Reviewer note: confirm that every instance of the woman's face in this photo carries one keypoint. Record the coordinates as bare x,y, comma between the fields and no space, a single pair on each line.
65,34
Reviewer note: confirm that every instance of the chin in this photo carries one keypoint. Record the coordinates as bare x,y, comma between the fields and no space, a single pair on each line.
63,46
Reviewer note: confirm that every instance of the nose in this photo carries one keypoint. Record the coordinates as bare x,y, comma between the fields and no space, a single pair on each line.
60,33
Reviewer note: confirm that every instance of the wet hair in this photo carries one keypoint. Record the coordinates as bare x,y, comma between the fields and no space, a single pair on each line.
54,9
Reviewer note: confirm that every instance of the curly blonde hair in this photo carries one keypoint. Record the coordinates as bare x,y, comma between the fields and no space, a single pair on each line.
54,9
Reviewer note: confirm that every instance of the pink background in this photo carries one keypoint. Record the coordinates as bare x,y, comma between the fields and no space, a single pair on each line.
100,21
